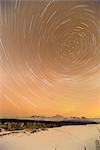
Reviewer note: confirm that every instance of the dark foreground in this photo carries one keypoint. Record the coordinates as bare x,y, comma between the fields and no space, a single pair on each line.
34,125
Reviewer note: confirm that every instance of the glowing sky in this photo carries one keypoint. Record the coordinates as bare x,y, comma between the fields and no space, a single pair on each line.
50,58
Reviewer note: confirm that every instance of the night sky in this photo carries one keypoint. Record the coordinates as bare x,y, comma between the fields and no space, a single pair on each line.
49,58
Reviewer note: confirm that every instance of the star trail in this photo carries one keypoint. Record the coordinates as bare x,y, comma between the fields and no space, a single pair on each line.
49,58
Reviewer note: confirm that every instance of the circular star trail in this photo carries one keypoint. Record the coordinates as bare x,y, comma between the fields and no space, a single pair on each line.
50,57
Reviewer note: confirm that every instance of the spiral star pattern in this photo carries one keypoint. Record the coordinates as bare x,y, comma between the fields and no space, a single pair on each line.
49,57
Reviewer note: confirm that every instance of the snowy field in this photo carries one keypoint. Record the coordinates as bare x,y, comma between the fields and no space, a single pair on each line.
62,138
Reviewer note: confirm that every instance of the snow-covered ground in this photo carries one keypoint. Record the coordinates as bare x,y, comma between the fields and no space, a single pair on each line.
62,138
